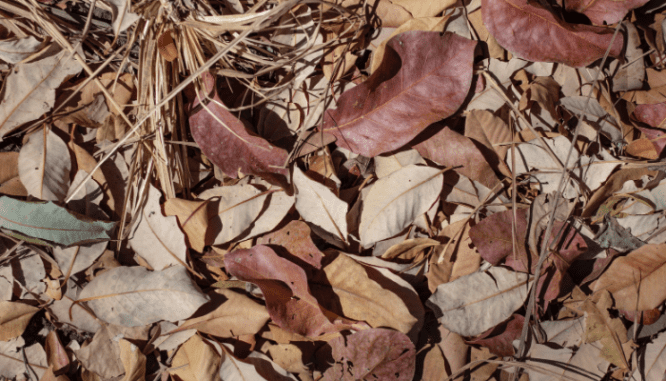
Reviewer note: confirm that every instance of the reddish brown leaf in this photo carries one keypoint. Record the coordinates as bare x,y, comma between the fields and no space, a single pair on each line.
604,11
391,108
295,237
535,34
285,287
500,338
372,354
653,115
451,149
493,238
225,140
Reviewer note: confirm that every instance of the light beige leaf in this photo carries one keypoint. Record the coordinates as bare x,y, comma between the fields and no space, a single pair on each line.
29,90
395,201
238,315
196,360
279,204
653,365
349,291
157,238
193,217
44,166
133,361
385,165
631,72
11,358
565,333
257,367
15,51
594,115
636,280
102,354
549,361
586,364
134,296
82,319
121,16
233,210
14,318
320,206
477,302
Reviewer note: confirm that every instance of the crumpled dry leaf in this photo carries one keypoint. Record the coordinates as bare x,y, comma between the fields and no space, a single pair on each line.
44,166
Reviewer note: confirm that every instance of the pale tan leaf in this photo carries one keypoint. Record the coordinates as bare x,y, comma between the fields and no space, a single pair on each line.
192,217
320,206
29,91
12,363
238,315
14,318
256,367
44,166
133,361
233,210
102,354
474,303
385,165
196,360
409,249
636,280
395,201
133,296
157,238
16,50
8,166
364,298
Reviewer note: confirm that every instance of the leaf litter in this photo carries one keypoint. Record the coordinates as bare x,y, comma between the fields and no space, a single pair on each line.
332,190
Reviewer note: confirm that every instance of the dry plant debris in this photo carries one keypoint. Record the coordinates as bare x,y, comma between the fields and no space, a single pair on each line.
203,190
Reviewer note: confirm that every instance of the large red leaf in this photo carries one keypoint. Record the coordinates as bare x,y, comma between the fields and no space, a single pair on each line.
372,354
535,34
653,115
500,339
389,109
225,140
600,11
285,288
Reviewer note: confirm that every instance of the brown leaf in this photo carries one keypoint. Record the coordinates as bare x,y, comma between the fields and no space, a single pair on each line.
651,114
392,107
285,287
489,130
196,360
237,315
535,34
14,318
295,237
376,353
226,141
636,280
451,149
192,217
604,12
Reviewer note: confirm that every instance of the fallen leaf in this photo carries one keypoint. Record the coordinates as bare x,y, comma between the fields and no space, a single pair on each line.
373,353
635,280
318,205
499,340
474,303
226,141
12,363
29,90
45,221
394,202
14,318
451,149
196,360
134,296
604,12
535,34
285,287
389,109
16,50
44,166
157,238
133,361
295,238
237,315
256,366
192,217
56,354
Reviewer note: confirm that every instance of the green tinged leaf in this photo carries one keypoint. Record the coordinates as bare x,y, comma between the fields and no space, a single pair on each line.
49,222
